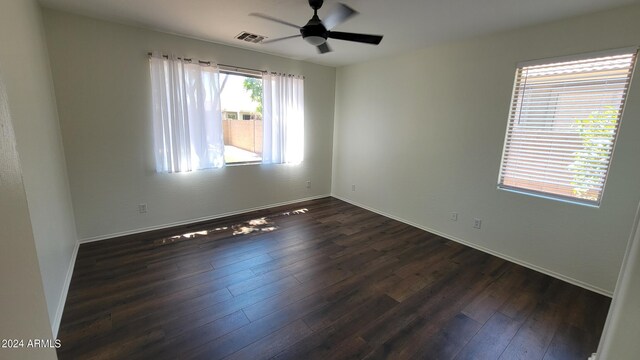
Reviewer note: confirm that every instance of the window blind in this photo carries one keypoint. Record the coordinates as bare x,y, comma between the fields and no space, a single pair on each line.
563,123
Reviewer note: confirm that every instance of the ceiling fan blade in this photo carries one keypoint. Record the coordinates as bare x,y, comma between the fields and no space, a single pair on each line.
324,48
363,38
279,39
267,17
339,14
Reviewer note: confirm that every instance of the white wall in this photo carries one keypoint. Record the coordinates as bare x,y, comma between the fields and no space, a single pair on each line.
24,57
102,84
620,336
23,309
421,135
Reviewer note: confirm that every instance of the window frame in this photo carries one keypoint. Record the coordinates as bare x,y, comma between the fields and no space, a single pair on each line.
515,97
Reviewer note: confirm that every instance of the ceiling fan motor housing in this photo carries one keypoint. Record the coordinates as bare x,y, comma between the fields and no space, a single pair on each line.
314,28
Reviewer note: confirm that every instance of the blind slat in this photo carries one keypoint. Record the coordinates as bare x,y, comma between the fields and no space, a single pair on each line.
550,173
614,97
560,143
542,160
555,139
549,163
543,125
546,181
545,155
553,150
584,86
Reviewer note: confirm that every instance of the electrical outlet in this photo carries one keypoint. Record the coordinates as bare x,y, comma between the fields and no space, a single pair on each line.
477,223
142,208
353,187
454,216
308,184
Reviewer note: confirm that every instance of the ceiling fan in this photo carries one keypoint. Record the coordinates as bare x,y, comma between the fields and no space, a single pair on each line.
316,31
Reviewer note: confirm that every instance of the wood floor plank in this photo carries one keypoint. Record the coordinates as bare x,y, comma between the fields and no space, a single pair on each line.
330,281
275,342
491,340
327,343
493,297
324,287
448,341
535,335
443,293
566,344
248,334
173,346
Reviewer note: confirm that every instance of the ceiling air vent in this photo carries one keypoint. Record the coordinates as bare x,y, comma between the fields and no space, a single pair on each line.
249,37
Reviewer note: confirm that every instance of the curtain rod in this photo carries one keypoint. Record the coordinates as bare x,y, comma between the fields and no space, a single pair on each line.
181,58
209,63
233,67
228,67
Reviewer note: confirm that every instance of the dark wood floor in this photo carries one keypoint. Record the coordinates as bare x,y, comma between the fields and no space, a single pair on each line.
329,281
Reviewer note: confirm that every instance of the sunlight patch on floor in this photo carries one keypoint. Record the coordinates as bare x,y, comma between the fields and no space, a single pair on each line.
263,224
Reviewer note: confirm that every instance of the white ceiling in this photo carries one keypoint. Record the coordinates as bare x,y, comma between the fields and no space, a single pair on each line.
406,24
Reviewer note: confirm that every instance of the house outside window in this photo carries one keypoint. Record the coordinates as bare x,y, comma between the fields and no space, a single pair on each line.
230,115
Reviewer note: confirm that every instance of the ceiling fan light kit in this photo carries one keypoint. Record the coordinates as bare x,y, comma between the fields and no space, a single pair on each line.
315,40
317,31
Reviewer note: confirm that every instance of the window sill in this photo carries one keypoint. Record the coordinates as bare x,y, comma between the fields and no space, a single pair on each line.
550,197
243,163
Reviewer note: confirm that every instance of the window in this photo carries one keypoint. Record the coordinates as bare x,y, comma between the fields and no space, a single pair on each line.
206,116
241,94
563,123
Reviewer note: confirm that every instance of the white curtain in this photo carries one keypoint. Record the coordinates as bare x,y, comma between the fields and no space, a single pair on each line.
187,119
283,119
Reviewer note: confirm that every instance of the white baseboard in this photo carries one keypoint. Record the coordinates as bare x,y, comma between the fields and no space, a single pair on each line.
65,290
192,221
485,250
